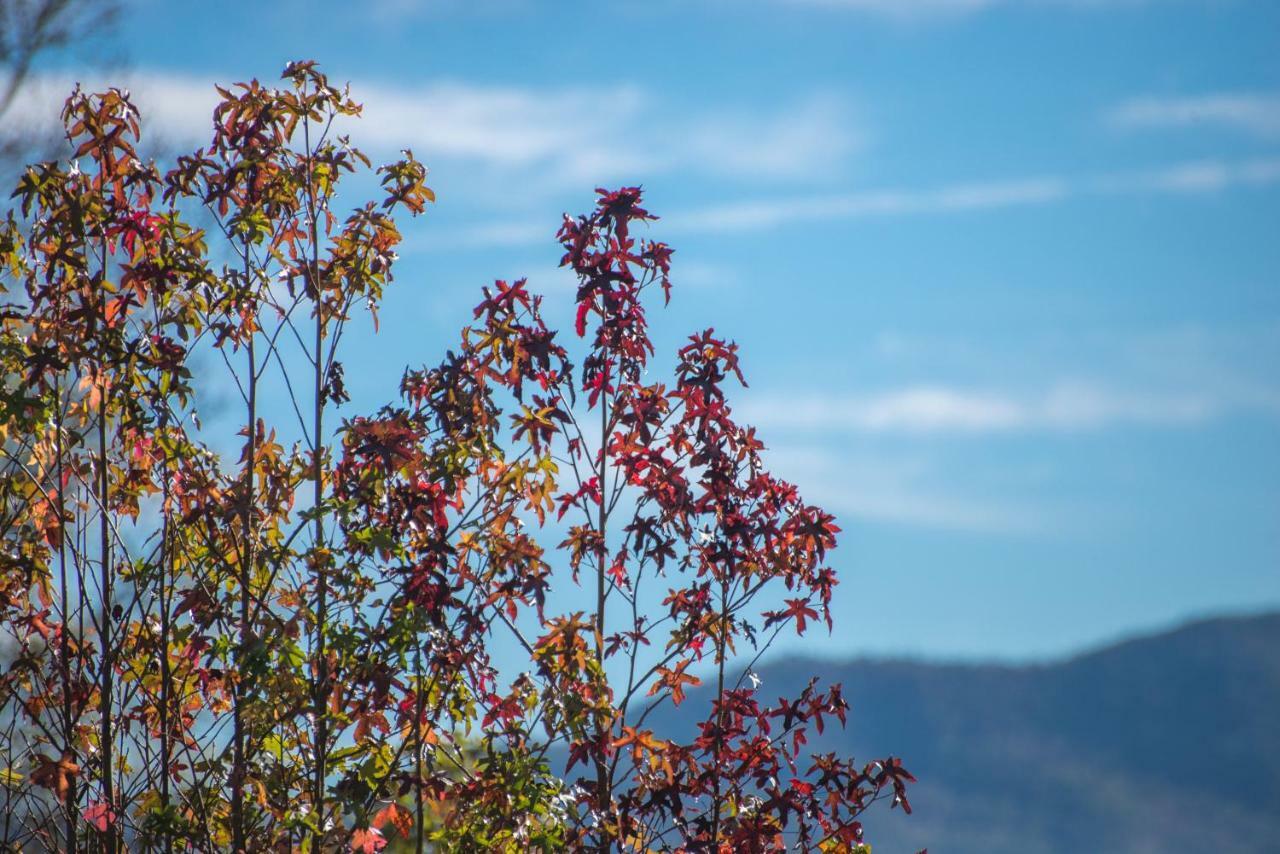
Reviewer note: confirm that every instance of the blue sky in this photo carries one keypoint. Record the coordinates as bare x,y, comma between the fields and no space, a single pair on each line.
1005,273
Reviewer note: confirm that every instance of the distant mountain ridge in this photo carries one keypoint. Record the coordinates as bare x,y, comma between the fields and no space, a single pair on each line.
1166,743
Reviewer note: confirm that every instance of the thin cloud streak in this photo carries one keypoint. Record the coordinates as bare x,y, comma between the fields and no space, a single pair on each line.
928,10
1190,178
1250,112
899,491
960,198
933,409
900,9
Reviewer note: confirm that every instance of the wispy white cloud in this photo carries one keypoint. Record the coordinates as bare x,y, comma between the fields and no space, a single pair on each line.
562,135
901,491
807,137
957,198
901,8
396,12
1191,177
1256,113
916,10
876,455
1066,406
1176,377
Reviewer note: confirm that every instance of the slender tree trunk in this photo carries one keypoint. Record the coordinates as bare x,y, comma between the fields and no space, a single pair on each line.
245,567
64,646
322,579
604,793
106,682
719,742
321,695
166,676
106,593
419,704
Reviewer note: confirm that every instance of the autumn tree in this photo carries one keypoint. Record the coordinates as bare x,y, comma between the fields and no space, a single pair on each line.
280,636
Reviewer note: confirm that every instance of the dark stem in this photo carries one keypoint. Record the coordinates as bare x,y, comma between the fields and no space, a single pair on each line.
64,650
321,693
719,742
166,749
604,795
104,536
419,700
245,567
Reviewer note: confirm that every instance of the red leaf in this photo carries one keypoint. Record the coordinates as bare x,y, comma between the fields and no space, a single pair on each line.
397,816
99,815
800,609
368,841
618,573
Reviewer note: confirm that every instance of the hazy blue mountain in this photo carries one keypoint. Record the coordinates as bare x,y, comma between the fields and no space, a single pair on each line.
1168,743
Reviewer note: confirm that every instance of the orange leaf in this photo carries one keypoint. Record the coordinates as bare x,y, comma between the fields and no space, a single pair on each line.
397,816
367,841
